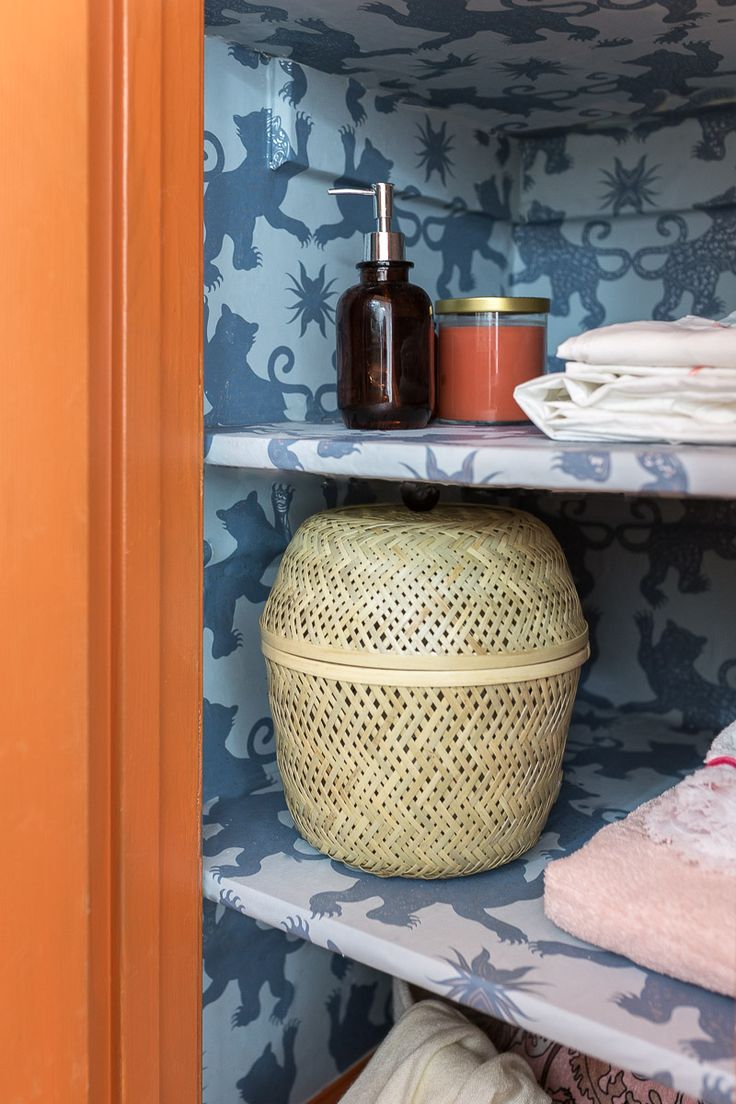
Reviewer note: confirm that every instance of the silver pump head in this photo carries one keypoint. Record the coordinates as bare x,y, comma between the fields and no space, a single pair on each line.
383,244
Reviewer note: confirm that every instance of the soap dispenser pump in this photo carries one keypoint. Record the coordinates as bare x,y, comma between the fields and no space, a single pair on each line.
385,332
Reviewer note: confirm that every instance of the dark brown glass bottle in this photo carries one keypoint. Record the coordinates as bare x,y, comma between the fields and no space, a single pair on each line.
385,333
385,350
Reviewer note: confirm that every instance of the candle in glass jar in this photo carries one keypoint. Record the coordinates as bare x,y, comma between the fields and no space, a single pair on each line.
486,347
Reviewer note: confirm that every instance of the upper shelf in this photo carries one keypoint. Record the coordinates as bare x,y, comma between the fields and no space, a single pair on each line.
506,64
484,940
481,456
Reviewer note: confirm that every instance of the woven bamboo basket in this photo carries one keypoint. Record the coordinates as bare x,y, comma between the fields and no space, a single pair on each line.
422,670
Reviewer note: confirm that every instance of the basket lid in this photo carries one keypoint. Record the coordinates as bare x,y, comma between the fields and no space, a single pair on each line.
456,588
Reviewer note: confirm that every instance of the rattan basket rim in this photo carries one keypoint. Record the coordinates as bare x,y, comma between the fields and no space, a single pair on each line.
396,514
460,661
399,675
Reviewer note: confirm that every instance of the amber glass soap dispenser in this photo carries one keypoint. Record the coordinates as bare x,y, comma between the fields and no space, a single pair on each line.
385,333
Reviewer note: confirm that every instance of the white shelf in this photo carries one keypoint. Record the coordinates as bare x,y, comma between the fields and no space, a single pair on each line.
484,940
481,456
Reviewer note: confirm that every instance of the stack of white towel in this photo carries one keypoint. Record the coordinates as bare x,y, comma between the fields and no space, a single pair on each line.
641,381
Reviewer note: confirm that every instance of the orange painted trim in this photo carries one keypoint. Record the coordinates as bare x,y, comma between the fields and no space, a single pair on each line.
44,527
101,582
156,544
100,262
182,552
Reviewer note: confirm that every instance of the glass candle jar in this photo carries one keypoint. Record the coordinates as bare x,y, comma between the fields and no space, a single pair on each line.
487,346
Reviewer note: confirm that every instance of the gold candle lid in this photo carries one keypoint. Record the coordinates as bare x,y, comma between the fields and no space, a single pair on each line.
486,304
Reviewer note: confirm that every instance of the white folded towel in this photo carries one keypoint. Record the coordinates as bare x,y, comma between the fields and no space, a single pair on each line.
434,1054
614,402
689,342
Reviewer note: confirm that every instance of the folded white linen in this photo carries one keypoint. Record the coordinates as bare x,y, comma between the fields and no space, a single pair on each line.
614,402
688,342
702,377
434,1054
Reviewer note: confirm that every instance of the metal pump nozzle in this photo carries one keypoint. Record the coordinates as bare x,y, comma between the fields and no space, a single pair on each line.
383,244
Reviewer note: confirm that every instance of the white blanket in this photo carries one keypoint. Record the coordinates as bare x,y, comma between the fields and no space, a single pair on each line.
687,343
434,1055
618,402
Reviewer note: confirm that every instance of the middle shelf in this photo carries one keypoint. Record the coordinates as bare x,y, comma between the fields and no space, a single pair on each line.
484,941
490,456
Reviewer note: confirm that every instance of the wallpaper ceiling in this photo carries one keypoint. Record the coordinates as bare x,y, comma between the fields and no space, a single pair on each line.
511,64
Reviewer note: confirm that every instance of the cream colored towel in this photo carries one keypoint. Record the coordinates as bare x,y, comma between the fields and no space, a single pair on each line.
641,381
434,1055
687,343
615,402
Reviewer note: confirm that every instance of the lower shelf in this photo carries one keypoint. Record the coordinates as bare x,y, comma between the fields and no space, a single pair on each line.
484,941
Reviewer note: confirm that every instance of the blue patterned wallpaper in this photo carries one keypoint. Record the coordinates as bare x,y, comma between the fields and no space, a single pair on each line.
657,580
614,223
619,224
281,1017
279,250
506,63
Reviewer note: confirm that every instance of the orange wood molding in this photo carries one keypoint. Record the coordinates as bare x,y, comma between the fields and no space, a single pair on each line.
101,589
44,599
155,492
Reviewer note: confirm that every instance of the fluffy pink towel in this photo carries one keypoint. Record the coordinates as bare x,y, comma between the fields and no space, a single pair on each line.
660,885
686,343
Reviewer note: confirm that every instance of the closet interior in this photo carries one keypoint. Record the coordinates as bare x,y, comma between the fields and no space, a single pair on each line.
581,151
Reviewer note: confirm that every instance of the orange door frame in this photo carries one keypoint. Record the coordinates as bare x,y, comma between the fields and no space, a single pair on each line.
100,500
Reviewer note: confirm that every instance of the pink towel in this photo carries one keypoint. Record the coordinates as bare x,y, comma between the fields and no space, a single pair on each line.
660,885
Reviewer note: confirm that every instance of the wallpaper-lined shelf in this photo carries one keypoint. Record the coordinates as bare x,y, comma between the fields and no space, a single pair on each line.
518,65
484,941
481,456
